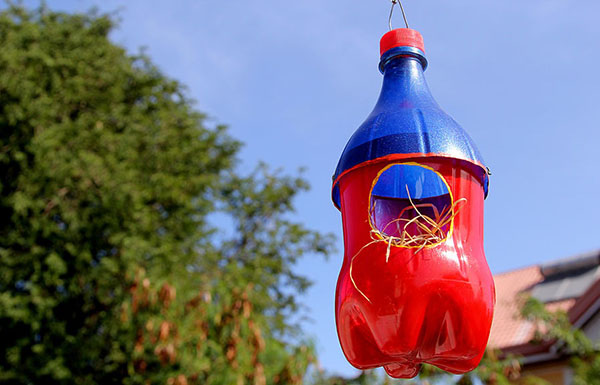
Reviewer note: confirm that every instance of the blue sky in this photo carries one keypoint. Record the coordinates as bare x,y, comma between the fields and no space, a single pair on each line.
293,80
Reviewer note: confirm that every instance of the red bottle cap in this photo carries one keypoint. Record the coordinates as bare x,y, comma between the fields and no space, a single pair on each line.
401,37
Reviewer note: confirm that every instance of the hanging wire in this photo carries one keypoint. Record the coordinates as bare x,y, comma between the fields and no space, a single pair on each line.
394,2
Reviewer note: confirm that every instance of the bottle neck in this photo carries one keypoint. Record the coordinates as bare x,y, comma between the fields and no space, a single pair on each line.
404,81
402,51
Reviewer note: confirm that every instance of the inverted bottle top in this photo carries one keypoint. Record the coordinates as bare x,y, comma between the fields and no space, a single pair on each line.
406,122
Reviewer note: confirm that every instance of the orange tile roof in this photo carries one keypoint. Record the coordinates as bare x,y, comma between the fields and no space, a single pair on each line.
508,329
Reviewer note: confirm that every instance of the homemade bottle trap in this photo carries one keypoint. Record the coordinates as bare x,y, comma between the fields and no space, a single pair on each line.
415,286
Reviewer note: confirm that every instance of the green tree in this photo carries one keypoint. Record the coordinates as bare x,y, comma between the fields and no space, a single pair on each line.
555,326
111,270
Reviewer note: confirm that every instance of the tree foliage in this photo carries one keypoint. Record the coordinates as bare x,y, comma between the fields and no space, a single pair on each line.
111,270
571,341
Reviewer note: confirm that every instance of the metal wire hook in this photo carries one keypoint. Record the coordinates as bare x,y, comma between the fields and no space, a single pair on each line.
394,2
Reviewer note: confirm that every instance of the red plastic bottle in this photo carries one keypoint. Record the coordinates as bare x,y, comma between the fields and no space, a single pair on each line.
400,304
